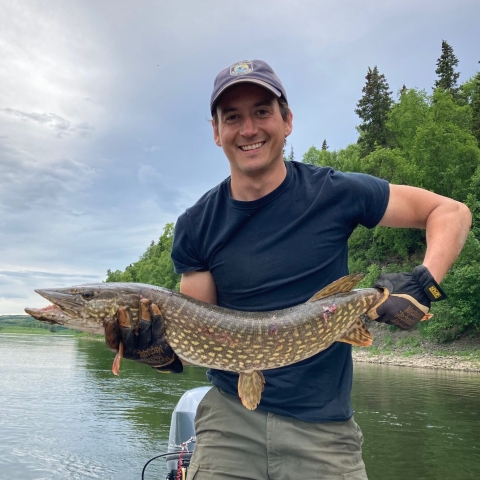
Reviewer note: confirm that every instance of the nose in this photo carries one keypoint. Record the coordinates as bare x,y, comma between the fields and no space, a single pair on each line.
248,127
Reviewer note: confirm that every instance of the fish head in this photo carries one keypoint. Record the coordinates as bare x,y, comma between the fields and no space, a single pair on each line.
90,303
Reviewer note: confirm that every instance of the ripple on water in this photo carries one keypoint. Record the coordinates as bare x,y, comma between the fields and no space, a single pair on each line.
64,415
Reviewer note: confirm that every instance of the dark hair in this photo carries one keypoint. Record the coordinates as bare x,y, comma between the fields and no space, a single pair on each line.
282,103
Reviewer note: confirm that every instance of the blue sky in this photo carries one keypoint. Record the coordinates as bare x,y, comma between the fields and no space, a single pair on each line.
104,135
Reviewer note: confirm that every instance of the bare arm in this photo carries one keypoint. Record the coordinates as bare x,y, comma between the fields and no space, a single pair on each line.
447,223
199,285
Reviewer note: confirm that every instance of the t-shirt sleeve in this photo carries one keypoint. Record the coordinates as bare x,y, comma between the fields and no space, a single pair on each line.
184,256
368,197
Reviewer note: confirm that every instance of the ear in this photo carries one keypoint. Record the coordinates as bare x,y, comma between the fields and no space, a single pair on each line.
216,135
289,123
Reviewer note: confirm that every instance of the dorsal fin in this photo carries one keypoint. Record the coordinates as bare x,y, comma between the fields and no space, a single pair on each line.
344,284
357,335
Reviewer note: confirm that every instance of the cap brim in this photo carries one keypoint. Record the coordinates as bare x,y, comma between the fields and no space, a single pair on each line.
266,85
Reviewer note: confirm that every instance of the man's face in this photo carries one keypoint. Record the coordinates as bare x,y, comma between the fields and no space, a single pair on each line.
250,128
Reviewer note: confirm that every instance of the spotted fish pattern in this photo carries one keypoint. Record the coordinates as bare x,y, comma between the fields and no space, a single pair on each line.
216,337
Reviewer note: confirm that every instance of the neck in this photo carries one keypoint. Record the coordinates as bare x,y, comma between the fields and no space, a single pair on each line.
247,188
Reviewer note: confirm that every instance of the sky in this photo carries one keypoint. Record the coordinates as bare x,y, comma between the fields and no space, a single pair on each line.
104,108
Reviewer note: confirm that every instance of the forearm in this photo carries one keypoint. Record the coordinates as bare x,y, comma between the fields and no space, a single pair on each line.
199,285
447,230
447,223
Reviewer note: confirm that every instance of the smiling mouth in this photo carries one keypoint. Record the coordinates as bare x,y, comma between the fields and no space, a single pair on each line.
254,146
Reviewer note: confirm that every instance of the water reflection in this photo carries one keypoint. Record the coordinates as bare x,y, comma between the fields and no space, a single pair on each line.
64,415
421,424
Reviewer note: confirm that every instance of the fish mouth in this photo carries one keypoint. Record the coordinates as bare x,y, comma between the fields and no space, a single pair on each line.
51,314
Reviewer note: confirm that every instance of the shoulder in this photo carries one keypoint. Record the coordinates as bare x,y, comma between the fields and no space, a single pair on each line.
337,179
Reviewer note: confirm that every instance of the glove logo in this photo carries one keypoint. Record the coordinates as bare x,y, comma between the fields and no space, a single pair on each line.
434,291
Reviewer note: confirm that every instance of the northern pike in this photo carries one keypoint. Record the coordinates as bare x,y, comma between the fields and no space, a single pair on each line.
216,337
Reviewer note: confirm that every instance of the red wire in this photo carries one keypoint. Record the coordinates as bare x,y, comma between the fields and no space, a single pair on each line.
180,464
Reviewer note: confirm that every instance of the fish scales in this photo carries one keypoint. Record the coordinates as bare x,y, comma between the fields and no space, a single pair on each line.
216,337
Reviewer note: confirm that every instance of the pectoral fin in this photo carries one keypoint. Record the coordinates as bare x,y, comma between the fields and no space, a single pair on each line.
118,360
250,388
358,335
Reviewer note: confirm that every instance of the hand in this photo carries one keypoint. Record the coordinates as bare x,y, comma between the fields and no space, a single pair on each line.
145,343
407,297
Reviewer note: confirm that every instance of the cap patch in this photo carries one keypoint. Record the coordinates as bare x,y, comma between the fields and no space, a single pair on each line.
241,68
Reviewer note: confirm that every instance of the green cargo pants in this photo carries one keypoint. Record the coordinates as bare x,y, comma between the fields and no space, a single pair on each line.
236,443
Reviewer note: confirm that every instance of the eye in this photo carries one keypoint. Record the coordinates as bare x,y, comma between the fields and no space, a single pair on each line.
87,295
263,111
231,118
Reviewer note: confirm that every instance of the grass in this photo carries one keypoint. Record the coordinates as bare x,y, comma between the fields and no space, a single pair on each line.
409,342
28,330
33,331
468,354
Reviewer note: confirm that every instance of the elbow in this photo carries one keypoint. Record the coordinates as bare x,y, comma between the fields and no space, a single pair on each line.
465,215
463,218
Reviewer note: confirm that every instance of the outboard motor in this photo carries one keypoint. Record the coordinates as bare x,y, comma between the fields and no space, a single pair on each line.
181,440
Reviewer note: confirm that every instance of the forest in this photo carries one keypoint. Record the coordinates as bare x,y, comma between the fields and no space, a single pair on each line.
422,139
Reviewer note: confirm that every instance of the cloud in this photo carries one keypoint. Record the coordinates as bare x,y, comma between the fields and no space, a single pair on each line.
28,185
100,147
61,126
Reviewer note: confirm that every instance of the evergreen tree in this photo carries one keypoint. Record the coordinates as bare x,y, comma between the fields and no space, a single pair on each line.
373,109
476,108
291,155
324,144
447,77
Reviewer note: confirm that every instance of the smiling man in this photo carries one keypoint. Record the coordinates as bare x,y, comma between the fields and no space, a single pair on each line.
269,237
250,128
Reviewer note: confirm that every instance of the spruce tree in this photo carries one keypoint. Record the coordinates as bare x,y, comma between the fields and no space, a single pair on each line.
447,77
476,108
291,156
373,109
324,144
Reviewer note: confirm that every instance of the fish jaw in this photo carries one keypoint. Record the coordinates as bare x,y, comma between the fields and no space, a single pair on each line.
69,310
50,314
64,299
54,315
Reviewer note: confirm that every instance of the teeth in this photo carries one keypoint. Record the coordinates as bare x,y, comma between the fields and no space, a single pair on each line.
251,147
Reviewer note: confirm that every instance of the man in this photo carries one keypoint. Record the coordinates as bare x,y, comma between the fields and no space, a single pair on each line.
269,237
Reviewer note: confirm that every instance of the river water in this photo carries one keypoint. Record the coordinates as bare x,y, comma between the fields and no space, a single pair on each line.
63,415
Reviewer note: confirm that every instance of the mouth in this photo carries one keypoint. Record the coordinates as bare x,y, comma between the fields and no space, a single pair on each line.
62,303
50,314
253,146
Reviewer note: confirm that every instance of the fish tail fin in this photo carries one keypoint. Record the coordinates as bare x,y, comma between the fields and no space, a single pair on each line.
357,335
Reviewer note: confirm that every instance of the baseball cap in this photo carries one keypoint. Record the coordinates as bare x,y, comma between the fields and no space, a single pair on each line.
252,71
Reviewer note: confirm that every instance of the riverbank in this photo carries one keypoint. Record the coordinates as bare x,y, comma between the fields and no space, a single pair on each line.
400,348
411,349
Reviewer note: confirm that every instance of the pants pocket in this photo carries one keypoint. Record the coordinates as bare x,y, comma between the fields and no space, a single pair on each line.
192,471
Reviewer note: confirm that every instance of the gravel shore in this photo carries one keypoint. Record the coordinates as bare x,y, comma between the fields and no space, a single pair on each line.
410,349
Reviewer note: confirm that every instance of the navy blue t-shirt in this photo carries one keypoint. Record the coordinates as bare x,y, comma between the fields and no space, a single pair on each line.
277,252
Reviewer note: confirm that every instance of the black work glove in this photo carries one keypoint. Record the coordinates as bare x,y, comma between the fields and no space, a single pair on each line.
407,297
144,343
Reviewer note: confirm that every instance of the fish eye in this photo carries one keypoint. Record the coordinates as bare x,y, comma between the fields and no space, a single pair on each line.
87,295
